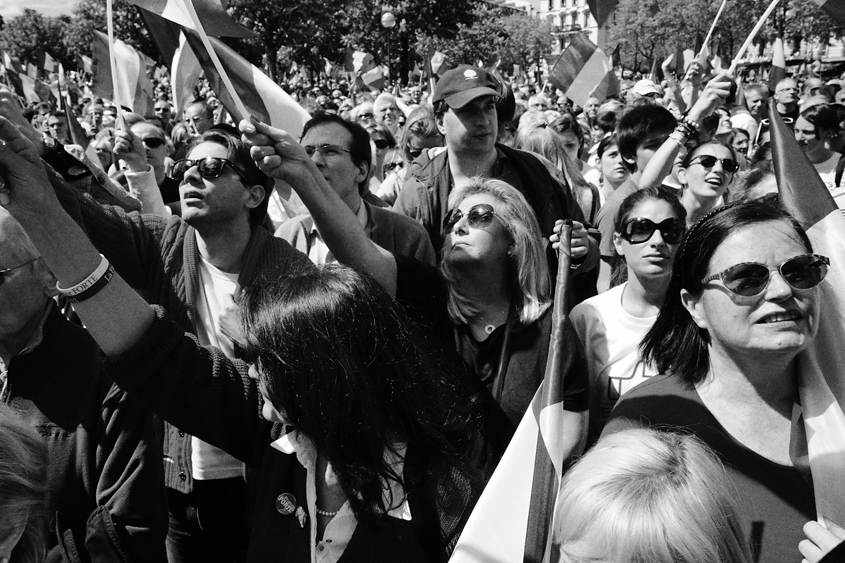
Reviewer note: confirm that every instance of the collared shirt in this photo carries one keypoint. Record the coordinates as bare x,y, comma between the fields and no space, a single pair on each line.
318,251
339,531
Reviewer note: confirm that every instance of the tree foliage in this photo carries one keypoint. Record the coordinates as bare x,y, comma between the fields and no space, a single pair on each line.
90,16
30,34
649,29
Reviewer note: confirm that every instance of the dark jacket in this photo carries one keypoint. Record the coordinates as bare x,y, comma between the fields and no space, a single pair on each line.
106,495
160,259
184,382
394,232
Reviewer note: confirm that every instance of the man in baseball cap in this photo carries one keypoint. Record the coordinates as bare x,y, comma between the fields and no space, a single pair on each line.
465,110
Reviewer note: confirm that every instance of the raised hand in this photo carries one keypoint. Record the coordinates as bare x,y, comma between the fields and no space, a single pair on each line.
25,189
713,94
11,109
129,148
277,154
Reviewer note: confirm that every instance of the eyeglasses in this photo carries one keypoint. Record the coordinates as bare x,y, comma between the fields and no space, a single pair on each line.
478,217
381,143
750,278
153,142
709,161
640,230
366,117
4,273
327,150
209,168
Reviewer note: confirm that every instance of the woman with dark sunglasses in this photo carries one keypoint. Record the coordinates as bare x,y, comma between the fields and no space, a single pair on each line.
742,304
706,173
382,141
649,229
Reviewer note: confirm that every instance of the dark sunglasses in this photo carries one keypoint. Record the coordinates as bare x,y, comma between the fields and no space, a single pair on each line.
709,161
153,142
366,116
479,216
381,143
750,278
639,230
413,153
391,166
4,273
209,168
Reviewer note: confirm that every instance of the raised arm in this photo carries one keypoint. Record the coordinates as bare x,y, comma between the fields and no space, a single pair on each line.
661,163
280,156
140,176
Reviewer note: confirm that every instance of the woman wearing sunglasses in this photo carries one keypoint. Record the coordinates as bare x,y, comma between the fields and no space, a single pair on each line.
382,141
649,228
742,303
706,173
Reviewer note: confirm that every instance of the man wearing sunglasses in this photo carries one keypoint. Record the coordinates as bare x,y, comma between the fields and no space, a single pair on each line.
142,151
466,113
341,151
195,266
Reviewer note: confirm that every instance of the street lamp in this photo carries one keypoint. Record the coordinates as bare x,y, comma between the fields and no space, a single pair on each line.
388,21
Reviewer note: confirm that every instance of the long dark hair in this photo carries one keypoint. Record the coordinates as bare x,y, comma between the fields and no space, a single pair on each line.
675,344
339,358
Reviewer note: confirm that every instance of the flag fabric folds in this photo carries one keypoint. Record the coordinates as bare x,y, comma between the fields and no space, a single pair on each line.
212,13
135,90
261,96
834,8
583,71
374,78
778,70
439,63
821,380
185,71
512,520
359,62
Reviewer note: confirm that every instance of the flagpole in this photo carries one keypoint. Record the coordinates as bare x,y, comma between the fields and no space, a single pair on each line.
713,27
189,8
110,19
753,34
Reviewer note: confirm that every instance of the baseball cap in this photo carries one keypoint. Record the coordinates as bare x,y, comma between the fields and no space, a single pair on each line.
645,87
463,84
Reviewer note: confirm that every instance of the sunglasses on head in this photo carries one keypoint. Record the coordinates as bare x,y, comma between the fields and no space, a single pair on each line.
639,230
478,216
153,142
750,278
709,161
209,168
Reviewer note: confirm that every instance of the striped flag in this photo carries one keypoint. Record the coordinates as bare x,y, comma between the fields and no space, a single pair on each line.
135,90
512,520
778,71
601,9
85,64
439,63
185,71
48,63
834,8
821,381
374,78
212,13
34,90
584,71
261,96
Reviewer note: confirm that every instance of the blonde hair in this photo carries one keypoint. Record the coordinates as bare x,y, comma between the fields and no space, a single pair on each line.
23,486
529,270
646,495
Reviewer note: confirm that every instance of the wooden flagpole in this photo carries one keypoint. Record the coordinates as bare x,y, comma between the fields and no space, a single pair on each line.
753,34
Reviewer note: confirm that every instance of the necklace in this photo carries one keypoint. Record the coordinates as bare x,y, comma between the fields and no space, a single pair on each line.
489,328
326,512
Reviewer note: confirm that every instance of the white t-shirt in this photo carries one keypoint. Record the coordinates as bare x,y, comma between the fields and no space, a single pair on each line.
215,294
611,337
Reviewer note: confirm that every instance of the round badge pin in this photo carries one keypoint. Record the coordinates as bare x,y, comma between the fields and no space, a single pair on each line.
286,504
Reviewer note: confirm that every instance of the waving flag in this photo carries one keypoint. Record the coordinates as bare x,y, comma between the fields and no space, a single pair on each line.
821,379
584,71
135,90
261,96
512,521
185,72
834,8
359,62
778,71
212,13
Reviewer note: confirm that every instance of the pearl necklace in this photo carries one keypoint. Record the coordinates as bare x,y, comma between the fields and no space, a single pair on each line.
326,512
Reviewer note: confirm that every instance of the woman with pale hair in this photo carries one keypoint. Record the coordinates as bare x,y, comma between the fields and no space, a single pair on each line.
645,495
23,490
544,141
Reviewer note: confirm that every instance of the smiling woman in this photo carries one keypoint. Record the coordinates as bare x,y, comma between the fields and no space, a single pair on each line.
742,304
707,171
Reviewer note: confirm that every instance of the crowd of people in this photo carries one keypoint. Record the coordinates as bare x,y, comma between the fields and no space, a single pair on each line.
222,343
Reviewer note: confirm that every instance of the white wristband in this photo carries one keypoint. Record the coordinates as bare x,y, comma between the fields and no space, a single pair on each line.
87,282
